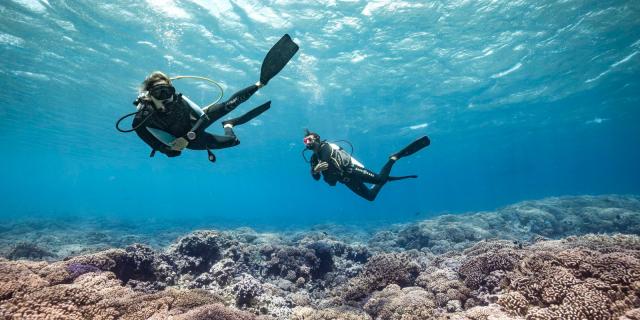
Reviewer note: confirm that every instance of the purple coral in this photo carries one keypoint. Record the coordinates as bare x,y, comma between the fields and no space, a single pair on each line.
78,269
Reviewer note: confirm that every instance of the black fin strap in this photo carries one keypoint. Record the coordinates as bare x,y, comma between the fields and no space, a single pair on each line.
212,157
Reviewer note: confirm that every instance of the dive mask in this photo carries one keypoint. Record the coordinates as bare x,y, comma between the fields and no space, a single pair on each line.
308,141
162,91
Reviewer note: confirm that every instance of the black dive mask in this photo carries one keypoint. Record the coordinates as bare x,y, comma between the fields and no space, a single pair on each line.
162,91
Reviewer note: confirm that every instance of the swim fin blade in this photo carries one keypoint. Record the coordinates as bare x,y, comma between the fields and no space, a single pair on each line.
413,176
413,147
277,58
249,115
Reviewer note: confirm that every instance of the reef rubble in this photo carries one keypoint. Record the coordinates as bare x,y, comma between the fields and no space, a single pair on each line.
519,262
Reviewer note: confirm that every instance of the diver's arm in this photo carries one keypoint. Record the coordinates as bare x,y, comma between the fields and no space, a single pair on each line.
314,161
324,154
154,143
149,139
330,180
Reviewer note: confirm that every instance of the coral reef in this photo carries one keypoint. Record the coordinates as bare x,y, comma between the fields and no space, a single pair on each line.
395,303
28,250
549,218
380,271
445,268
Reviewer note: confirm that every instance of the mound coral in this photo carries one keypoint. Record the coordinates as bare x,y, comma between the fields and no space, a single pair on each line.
445,285
549,218
344,313
380,271
198,251
395,303
290,262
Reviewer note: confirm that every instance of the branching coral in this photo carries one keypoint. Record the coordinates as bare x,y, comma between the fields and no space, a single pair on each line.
558,281
475,269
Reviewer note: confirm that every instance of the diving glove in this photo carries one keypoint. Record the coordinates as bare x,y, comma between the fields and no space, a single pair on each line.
321,166
179,144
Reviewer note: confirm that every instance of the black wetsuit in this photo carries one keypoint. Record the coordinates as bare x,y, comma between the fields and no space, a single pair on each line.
178,119
341,169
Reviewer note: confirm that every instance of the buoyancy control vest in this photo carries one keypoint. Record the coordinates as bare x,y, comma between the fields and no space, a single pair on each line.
341,159
176,121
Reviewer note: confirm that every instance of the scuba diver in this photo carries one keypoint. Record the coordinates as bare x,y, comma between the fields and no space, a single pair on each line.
170,122
336,165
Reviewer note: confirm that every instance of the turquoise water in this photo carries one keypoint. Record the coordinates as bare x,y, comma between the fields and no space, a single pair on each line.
521,99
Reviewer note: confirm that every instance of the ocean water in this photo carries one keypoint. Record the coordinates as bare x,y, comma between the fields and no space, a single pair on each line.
521,99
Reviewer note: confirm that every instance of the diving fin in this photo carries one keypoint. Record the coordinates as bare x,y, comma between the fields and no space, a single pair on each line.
277,58
413,176
249,115
413,147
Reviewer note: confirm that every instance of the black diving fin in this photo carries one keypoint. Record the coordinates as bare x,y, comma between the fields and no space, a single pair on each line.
413,147
277,58
413,176
249,115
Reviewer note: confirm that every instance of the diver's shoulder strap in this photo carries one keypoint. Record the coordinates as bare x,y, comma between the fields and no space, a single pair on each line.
194,106
202,117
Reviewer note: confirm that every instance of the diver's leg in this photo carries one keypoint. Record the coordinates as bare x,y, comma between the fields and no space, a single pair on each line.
368,176
359,188
228,140
365,175
359,176
219,110
248,116
386,169
212,141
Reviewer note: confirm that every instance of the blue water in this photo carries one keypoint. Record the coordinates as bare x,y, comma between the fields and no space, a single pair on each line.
521,99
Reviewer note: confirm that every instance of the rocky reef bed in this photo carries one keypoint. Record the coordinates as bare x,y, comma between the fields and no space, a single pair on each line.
533,260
